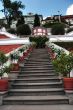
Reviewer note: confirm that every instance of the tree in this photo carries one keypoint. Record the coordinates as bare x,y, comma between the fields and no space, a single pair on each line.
23,30
6,9
15,8
58,29
36,21
11,10
20,21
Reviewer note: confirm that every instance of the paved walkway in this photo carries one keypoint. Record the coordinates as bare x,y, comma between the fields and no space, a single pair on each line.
34,107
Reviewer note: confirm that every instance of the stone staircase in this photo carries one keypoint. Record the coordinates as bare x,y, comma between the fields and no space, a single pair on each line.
37,83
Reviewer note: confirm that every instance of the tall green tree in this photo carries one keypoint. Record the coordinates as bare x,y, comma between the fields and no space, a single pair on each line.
20,21
11,10
36,20
6,9
16,7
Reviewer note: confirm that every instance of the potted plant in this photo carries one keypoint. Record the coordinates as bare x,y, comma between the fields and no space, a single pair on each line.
21,50
3,80
21,56
63,65
3,58
68,81
9,73
14,58
27,50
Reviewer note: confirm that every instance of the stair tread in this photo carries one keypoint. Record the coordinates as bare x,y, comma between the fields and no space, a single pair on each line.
39,68
48,97
41,74
37,83
36,78
50,83
39,71
36,90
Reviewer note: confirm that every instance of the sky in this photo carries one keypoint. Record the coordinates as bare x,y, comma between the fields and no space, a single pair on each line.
46,7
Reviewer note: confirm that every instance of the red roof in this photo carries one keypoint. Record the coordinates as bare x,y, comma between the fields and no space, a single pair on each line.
64,17
68,17
9,48
3,37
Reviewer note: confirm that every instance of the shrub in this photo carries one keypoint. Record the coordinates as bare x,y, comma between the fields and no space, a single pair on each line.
12,31
63,63
23,30
3,58
58,29
40,41
69,30
66,45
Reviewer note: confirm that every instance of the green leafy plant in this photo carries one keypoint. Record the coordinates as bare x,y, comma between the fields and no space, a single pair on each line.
58,29
39,40
3,58
21,50
36,20
63,63
12,31
8,68
66,45
1,72
14,56
69,30
23,30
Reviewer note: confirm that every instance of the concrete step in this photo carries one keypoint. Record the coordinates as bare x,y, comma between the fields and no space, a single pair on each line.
39,56
37,85
38,63
38,60
36,80
36,100
41,75
38,71
51,72
41,60
37,66
36,92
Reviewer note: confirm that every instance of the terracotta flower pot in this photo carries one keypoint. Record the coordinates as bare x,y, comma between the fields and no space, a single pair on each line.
15,67
4,84
21,58
25,54
68,83
30,49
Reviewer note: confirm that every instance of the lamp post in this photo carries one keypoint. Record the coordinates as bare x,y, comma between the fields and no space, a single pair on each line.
59,16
